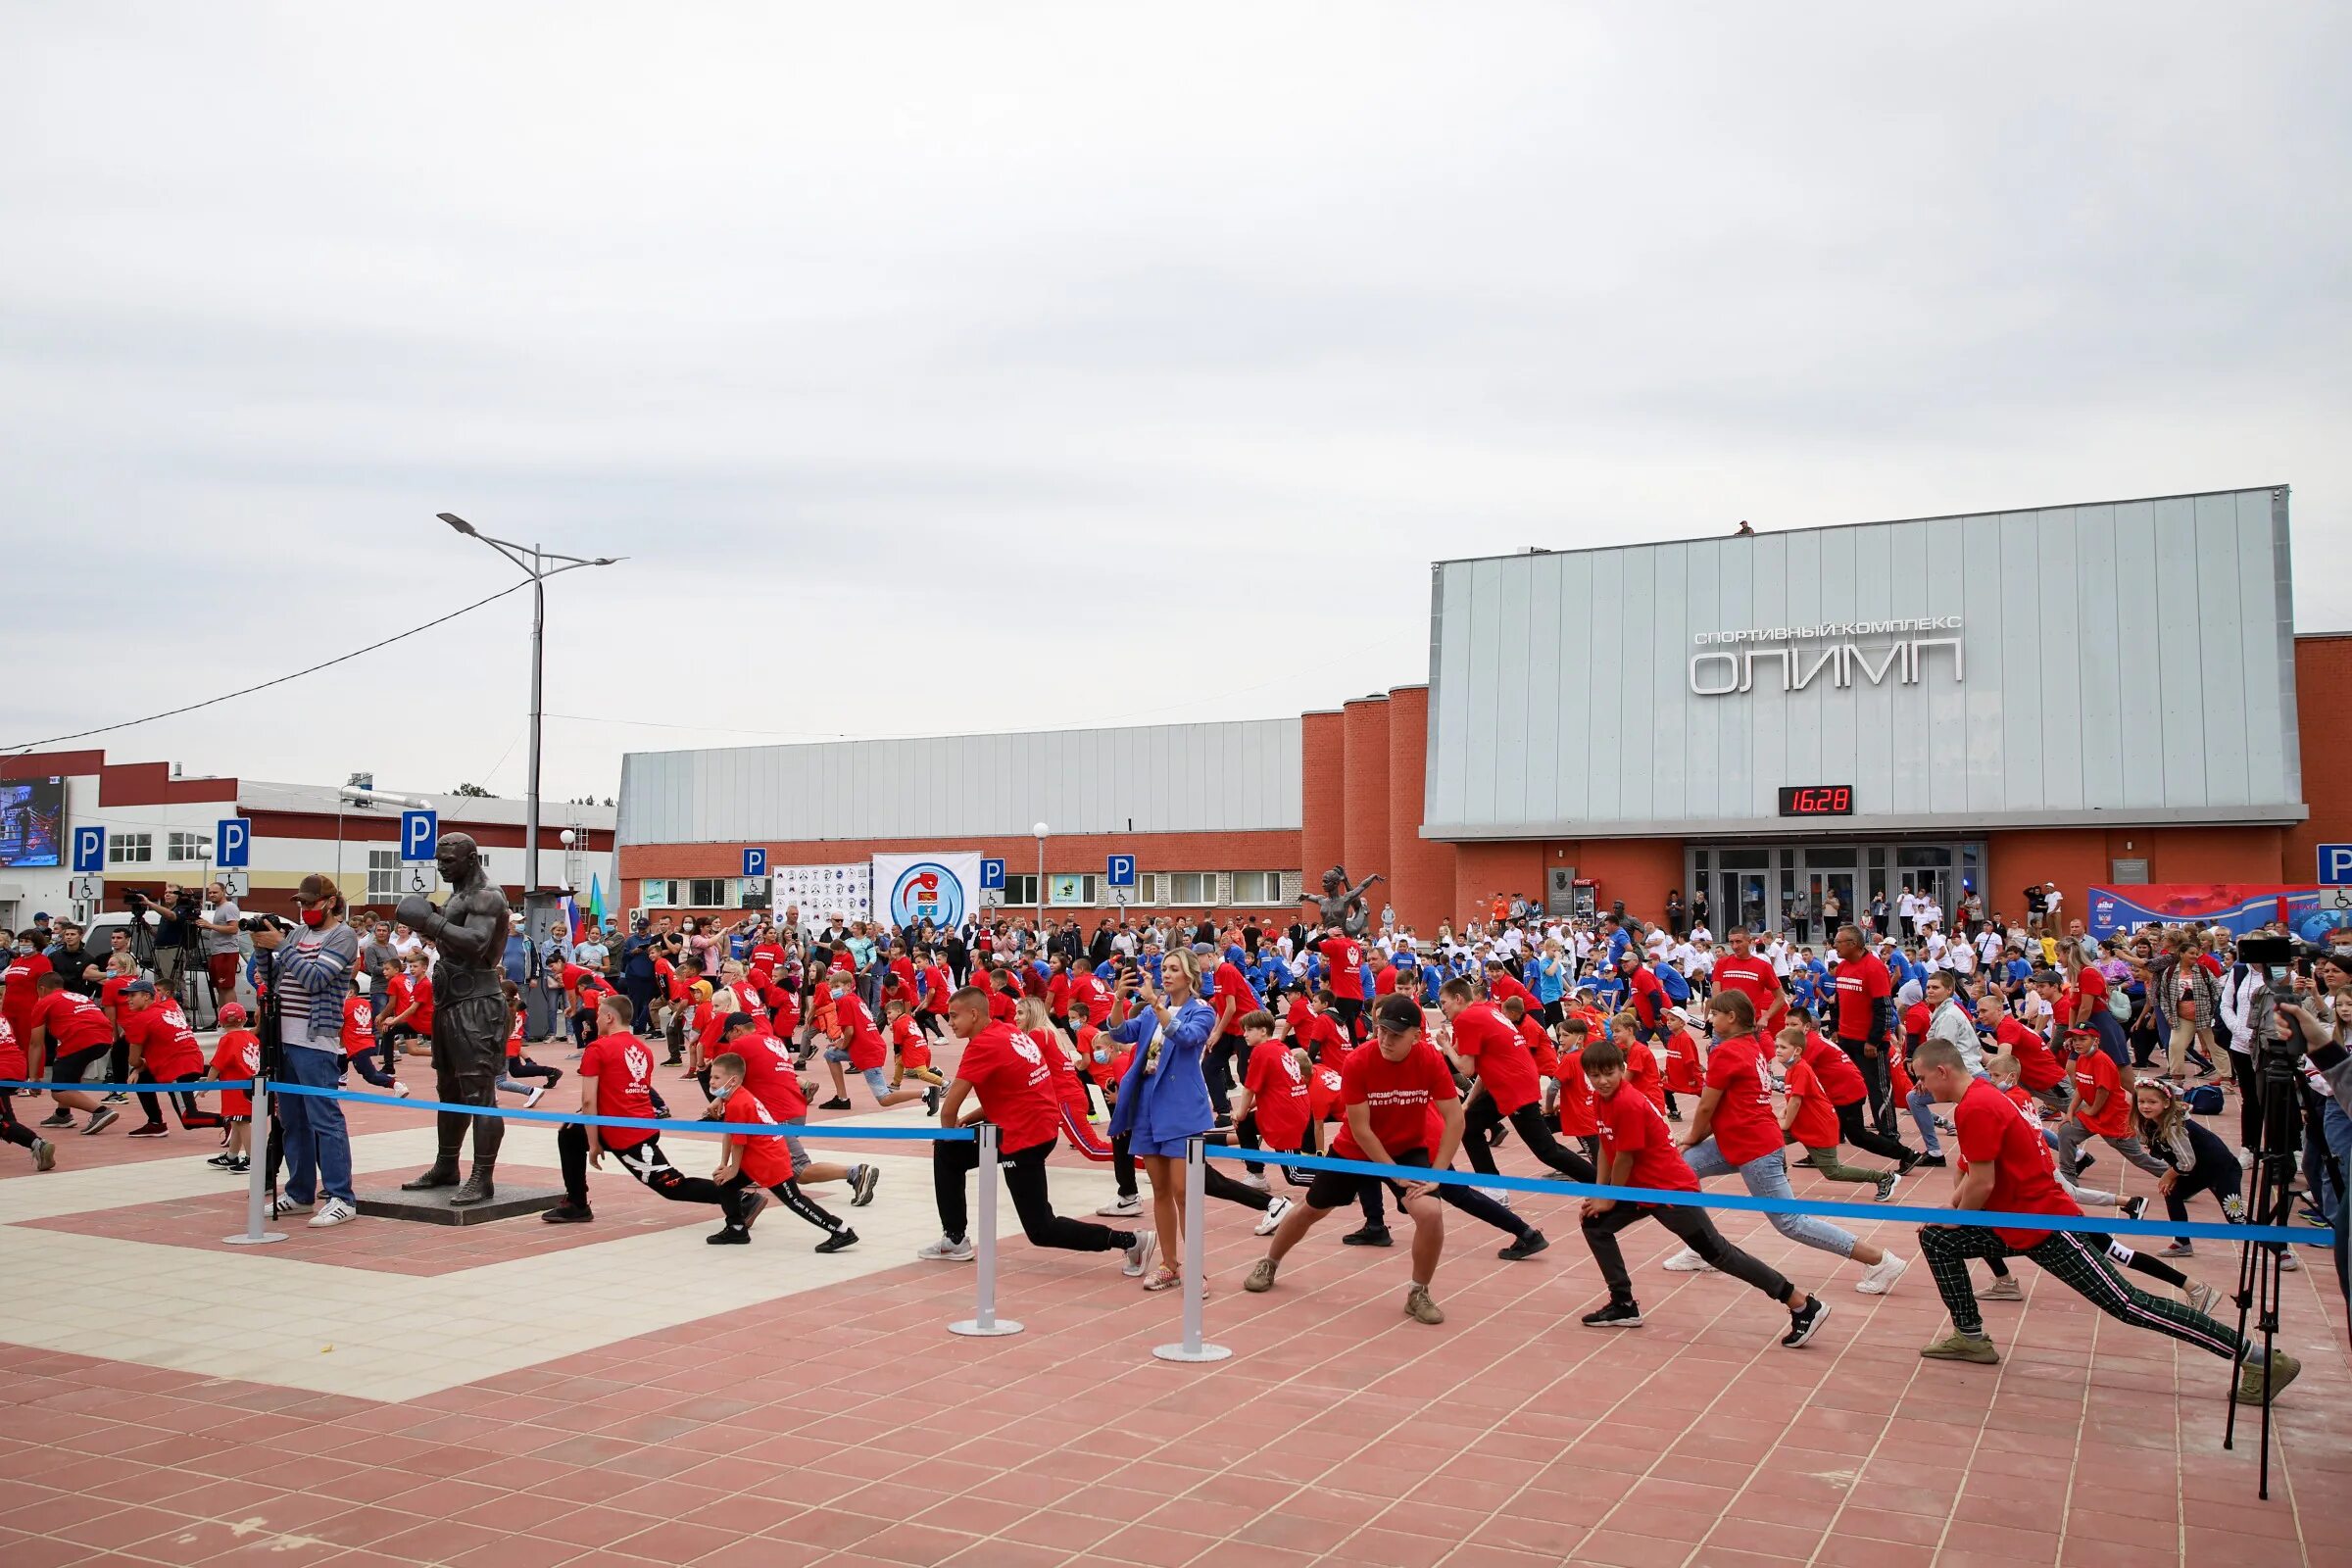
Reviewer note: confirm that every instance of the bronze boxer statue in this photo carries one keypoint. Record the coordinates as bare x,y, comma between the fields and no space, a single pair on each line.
470,1014
1342,906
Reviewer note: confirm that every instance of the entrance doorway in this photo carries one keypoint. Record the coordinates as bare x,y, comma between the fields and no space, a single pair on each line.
1795,887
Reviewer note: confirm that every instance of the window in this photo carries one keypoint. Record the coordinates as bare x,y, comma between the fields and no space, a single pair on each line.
1073,889
182,847
130,848
707,893
383,874
1020,887
661,894
1257,887
1191,887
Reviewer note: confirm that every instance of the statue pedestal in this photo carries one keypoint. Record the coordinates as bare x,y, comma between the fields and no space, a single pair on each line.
433,1208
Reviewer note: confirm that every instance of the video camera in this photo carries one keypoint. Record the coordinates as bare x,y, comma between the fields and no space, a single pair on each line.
278,923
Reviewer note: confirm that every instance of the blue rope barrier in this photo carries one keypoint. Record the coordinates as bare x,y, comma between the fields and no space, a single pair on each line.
1559,1187
709,1129
194,1086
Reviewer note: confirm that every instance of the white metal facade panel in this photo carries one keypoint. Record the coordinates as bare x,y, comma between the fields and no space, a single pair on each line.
2128,661
1239,776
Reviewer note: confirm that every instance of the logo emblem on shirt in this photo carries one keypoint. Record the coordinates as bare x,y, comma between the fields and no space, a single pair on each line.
1027,1049
639,1062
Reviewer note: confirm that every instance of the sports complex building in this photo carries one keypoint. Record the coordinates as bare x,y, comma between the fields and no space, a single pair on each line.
2103,696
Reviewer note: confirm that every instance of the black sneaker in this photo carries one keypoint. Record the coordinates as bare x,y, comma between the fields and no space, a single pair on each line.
835,1103
238,1167
1801,1325
869,1176
1933,1161
1527,1246
840,1240
2084,1161
1496,1134
1615,1315
931,1099
56,1118
2134,1208
1908,1164
152,1129
569,1214
1369,1235
732,1236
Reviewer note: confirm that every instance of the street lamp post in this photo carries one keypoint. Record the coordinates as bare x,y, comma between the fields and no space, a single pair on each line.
1040,831
355,794
537,564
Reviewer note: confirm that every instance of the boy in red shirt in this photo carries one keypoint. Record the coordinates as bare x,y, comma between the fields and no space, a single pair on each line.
163,1051
411,1012
68,1034
616,1079
12,1065
913,1051
520,1067
2004,1167
1402,1109
2103,1108
1637,1149
1809,1117
863,1051
1508,1090
236,1058
1842,1081
1575,1091
359,1046
1680,1047
751,1161
1273,1111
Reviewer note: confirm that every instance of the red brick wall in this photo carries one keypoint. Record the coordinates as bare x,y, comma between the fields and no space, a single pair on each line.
2323,686
1364,738
1323,794
1483,867
2078,859
1420,871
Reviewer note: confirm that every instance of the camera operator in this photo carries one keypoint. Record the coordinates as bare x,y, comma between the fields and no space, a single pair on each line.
222,952
2314,1018
174,934
309,976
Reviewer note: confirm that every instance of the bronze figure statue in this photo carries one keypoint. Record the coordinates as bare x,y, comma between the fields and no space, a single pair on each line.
1342,906
470,1014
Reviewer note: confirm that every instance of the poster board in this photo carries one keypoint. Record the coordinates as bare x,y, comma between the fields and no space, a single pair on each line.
846,890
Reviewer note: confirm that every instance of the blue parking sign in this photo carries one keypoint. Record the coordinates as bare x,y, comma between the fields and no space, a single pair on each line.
232,842
754,863
991,876
1119,870
2335,866
89,849
419,835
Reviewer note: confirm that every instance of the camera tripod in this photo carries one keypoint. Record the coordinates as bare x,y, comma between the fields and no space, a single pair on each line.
2270,1204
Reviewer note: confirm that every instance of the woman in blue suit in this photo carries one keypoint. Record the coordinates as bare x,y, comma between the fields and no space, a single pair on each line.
1163,1101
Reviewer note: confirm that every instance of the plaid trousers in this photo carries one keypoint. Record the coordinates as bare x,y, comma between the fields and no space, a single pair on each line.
2076,1260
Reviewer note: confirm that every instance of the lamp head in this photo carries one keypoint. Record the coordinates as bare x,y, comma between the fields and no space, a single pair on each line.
456,523
1039,830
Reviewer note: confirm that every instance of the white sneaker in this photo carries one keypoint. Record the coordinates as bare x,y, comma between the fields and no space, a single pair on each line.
2201,1297
400,1091
1258,1181
944,1251
532,1098
1122,1207
1879,1277
1139,1256
1500,1195
1272,1217
2287,1263
1687,1262
281,1205
333,1212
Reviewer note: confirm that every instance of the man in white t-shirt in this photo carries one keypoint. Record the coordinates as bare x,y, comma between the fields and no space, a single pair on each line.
1907,913
2051,900
1989,947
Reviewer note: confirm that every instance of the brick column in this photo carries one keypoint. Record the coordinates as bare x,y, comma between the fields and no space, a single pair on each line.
1323,807
1420,871
1364,745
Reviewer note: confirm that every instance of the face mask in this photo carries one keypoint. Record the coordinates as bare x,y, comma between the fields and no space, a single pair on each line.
1102,1056
314,916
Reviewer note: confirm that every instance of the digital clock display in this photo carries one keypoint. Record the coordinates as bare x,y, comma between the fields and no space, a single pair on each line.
1818,800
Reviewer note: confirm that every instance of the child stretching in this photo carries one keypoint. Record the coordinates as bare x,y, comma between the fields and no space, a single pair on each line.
914,1049
520,1067
1809,1120
2195,1159
360,1046
236,1058
1638,1150
751,1161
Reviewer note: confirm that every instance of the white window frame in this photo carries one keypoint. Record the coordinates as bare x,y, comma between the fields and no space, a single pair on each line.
180,845
659,893
383,874
1205,881
1090,886
1273,898
1017,884
131,849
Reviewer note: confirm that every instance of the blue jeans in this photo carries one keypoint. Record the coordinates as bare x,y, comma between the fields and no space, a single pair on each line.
2334,1131
1767,1176
317,1143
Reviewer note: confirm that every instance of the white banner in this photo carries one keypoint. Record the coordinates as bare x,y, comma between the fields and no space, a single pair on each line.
910,889
817,891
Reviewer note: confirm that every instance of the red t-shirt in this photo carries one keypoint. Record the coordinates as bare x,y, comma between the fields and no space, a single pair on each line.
1993,1131
514,1038
866,1049
1501,988
75,1023
1649,996
1861,984
1401,1098
1234,1000
1743,1127
238,1055
624,1070
110,996
2092,985
1320,1034
1275,1078
1016,1086
936,990
1342,966
1002,1007
1576,1096
1487,1039
1754,978
1384,980
161,1030
768,1073
1068,1090
1916,1018
1629,1124
1539,1046
420,991
1058,995
1833,1069
2094,1070
12,1051
1641,1071
16,982
1816,1123
913,1046
587,984
1324,1089
765,1160
359,1027
2037,1067
1680,1050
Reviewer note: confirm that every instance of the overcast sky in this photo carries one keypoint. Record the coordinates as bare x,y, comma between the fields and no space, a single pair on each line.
1002,367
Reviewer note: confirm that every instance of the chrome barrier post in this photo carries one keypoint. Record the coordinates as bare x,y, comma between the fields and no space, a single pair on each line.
1196,1288
984,1322
258,1156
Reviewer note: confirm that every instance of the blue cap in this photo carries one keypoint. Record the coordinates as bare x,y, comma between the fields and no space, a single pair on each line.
147,986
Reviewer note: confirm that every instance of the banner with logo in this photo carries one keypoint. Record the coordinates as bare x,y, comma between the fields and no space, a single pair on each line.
2311,913
846,890
910,889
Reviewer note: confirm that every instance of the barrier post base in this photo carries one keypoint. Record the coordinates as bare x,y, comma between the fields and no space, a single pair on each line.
1202,1353
249,1239
971,1328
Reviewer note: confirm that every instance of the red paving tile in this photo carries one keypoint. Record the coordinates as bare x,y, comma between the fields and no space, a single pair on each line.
1338,1434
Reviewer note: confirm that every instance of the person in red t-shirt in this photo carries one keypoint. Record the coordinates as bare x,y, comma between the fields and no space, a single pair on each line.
1008,1079
518,1065
913,1049
1680,1047
1575,1091
411,1015
2005,1168
13,1131
67,1035
1864,1022
1344,977
1508,1090
1402,1109
1734,1129
1274,1109
1842,1081
1638,1150
359,1046
2102,1108
163,1051
2037,1067
931,1001
236,1058
861,1049
1233,1001
751,1161
616,1079
1742,970
1809,1118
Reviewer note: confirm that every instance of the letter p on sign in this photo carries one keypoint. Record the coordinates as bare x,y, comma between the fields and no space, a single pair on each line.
2335,866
